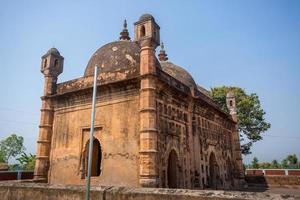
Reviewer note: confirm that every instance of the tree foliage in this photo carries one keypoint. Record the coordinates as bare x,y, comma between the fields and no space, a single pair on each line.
250,115
27,162
290,162
11,146
275,164
254,163
292,159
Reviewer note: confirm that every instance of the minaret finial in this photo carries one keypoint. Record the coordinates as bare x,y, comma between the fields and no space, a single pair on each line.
124,35
125,24
162,46
162,53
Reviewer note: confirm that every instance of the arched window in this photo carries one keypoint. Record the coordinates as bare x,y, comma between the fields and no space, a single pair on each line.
55,63
45,63
96,158
143,31
230,102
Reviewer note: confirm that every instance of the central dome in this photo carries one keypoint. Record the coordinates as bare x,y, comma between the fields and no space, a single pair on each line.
121,58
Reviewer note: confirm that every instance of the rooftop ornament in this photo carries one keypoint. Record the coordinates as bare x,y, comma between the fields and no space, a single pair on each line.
162,53
124,35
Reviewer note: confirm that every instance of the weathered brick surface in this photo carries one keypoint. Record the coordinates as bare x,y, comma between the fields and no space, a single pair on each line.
28,191
153,127
293,172
275,172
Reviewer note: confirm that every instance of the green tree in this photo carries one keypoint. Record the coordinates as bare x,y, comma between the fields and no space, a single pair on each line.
11,146
275,164
254,163
250,115
265,165
284,163
27,162
292,159
2,157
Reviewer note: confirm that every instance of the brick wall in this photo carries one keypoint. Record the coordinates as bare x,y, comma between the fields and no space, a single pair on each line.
273,172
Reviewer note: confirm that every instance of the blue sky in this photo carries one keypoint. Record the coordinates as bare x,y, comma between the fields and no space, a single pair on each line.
251,44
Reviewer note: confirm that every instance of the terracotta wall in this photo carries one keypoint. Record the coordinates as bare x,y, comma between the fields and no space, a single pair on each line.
273,172
116,128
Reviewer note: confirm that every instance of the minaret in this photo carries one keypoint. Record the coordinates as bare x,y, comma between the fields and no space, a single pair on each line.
162,53
231,105
236,145
51,67
147,36
124,35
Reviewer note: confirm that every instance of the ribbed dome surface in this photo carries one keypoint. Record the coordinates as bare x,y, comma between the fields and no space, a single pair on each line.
116,57
179,73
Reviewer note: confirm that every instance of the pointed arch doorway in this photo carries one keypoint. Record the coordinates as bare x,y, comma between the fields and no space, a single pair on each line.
213,171
173,172
96,158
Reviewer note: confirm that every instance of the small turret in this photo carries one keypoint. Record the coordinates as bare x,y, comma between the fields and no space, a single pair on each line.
51,66
147,30
231,105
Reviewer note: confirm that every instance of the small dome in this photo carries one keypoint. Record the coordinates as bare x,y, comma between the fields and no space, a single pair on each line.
146,17
53,51
179,73
121,59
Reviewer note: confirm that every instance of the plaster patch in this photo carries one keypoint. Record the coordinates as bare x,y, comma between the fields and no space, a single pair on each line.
130,58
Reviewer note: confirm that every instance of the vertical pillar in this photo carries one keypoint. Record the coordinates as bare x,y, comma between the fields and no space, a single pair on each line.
235,138
51,67
148,126
45,134
192,167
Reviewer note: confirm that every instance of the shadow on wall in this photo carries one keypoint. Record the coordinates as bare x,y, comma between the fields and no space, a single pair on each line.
256,183
15,175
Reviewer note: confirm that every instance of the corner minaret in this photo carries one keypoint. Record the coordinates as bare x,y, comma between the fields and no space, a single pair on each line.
147,36
237,152
231,105
51,67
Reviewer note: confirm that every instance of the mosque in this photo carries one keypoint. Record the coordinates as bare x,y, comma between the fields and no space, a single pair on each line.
154,126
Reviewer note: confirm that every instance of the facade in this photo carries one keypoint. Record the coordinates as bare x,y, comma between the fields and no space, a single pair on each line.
154,127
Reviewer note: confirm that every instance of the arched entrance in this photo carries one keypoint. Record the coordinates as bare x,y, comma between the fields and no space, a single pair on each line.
229,178
96,159
213,171
173,170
